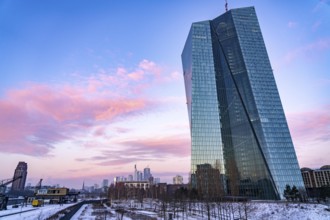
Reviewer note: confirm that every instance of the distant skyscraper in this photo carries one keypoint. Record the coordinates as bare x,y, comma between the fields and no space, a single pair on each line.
139,176
135,177
105,183
237,122
21,170
156,180
178,179
119,179
146,173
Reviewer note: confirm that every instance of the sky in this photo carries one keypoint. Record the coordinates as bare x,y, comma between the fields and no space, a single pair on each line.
89,88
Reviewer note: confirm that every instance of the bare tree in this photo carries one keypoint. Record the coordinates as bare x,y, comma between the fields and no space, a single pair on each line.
164,204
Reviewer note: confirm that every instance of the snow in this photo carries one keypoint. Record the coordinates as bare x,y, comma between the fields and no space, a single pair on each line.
85,212
33,213
281,211
256,210
88,212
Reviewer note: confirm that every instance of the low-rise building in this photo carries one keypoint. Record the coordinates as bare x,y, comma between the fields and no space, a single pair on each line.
317,181
316,178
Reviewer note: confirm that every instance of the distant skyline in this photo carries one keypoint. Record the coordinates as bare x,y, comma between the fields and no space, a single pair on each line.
90,88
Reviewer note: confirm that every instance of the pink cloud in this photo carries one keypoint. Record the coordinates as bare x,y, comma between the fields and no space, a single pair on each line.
308,51
136,75
149,149
310,126
122,130
148,72
161,147
94,84
176,75
100,132
121,71
150,67
119,157
133,81
311,136
119,161
33,119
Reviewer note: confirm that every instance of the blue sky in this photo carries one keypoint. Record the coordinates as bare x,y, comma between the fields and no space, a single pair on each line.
85,82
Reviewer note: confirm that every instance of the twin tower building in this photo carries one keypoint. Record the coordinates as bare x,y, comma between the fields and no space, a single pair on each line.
240,141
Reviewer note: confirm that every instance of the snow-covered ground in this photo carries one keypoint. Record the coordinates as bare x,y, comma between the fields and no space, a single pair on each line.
33,213
151,210
253,210
282,211
85,212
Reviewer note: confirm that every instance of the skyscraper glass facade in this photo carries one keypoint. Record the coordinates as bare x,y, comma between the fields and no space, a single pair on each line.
237,122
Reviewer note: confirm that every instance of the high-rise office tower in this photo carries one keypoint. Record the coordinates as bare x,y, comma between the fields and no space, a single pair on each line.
146,173
21,170
139,176
156,180
105,183
237,122
135,175
178,179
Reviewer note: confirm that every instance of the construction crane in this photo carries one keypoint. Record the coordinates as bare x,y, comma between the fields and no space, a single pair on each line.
4,183
37,187
37,202
3,197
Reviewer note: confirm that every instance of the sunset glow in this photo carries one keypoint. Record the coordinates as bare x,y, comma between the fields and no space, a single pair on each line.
89,89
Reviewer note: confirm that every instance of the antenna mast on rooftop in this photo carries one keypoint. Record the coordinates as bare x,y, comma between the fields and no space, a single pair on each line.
226,5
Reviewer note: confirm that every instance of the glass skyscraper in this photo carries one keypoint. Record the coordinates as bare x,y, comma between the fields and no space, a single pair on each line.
240,141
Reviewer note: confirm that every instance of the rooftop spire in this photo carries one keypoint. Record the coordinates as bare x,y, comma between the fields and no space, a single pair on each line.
226,5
